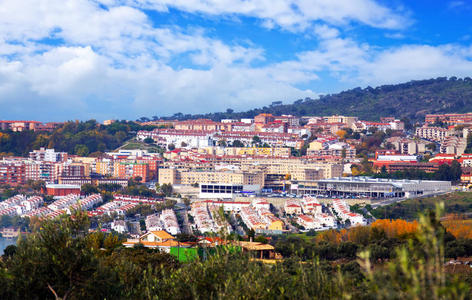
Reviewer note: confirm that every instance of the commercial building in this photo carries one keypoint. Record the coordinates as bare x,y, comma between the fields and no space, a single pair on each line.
380,188
226,190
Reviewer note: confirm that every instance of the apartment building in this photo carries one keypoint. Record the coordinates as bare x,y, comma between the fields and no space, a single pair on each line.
189,177
202,125
179,138
131,170
292,121
348,121
453,145
47,155
297,169
12,173
339,149
449,118
18,125
432,133
263,118
408,146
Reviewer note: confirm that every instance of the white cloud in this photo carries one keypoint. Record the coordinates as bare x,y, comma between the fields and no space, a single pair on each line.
417,62
113,63
361,64
289,14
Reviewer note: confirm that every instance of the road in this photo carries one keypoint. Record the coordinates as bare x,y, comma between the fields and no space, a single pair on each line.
234,223
395,200
183,217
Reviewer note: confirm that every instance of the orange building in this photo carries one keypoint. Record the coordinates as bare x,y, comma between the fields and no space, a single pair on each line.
62,189
141,170
131,170
264,119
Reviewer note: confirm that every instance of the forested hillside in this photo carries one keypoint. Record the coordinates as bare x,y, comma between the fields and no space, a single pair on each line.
412,100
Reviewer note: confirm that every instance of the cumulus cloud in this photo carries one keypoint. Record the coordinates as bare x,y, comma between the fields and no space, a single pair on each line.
289,14
67,59
362,64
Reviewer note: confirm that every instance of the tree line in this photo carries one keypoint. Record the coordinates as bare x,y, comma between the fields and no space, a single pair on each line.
73,137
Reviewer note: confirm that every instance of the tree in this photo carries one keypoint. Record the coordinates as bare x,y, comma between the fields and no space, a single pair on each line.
372,130
149,140
238,143
171,147
341,134
59,262
468,148
456,170
81,150
88,189
383,170
431,146
167,189
38,185
256,140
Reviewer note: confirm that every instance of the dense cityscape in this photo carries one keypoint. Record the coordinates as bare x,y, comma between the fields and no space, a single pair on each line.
235,149
272,174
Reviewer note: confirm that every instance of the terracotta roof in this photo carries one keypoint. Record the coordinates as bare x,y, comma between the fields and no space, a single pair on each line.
255,246
162,234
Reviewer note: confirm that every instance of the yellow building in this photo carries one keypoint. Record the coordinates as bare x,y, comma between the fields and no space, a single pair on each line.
189,176
276,224
104,167
296,169
316,145
341,119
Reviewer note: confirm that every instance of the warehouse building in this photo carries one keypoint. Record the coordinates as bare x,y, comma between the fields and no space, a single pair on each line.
380,188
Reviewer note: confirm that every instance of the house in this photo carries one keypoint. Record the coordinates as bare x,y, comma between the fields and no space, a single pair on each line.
119,226
292,208
156,239
309,222
274,223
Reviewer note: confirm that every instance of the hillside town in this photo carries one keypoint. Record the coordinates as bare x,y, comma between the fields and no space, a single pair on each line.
235,149
267,175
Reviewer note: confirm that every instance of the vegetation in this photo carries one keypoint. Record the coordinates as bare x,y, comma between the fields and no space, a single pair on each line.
63,261
446,172
457,202
81,138
406,101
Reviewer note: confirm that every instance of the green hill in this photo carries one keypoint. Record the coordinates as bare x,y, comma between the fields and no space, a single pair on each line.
412,100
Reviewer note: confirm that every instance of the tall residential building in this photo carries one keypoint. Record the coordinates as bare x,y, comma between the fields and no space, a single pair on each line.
47,155
12,173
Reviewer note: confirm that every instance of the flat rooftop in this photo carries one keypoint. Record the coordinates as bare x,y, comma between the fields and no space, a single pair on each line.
365,179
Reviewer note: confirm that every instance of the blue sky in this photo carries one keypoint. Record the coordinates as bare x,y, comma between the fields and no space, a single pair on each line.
123,59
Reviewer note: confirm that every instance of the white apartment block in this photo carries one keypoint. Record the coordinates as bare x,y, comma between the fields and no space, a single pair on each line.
432,133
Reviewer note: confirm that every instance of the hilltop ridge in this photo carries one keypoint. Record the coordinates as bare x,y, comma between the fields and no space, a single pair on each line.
412,100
